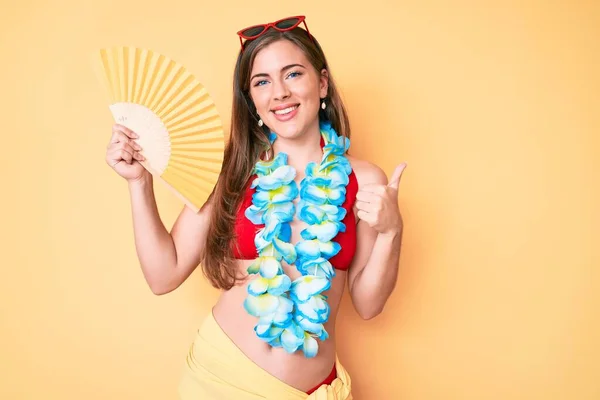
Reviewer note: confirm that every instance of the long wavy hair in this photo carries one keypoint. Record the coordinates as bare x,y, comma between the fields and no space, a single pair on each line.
247,142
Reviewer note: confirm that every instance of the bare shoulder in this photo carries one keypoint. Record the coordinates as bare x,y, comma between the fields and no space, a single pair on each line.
366,172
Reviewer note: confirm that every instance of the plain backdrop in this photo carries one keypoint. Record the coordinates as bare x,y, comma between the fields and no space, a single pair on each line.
494,106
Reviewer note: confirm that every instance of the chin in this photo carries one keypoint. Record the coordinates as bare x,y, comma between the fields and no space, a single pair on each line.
286,129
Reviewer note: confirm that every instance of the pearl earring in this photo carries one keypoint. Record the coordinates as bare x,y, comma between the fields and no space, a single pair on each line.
323,105
260,123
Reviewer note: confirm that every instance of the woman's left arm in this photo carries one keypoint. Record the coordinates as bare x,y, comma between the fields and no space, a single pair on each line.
374,270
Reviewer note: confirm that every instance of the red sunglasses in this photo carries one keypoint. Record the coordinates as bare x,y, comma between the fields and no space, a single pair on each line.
283,25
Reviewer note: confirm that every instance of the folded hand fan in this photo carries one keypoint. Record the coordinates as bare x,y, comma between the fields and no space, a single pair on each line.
179,128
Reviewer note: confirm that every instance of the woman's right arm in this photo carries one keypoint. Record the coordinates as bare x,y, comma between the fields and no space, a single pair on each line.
167,259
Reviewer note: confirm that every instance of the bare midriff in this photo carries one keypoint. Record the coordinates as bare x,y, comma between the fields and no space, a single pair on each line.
294,369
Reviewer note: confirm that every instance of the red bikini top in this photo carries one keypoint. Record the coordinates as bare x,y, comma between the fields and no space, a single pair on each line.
243,244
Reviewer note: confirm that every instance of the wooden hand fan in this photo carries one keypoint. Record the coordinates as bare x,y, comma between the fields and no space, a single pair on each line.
179,128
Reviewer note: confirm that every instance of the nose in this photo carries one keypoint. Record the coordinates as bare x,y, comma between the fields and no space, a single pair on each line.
280,90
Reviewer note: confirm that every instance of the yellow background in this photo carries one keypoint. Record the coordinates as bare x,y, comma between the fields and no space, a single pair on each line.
494,105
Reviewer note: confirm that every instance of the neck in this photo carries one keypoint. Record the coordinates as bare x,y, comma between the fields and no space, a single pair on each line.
301,150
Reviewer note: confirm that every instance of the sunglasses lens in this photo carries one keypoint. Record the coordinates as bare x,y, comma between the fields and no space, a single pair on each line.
253,31
287,23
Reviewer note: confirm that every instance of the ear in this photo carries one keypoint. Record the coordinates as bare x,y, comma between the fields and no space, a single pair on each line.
323,83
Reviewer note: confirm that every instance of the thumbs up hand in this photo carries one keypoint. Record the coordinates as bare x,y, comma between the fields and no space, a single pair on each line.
377,204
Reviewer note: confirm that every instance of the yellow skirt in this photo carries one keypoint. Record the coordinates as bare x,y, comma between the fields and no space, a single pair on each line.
216,369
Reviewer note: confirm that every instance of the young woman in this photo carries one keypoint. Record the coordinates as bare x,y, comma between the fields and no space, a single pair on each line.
292,218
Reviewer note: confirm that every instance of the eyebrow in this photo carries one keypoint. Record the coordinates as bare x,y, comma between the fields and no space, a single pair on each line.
282,69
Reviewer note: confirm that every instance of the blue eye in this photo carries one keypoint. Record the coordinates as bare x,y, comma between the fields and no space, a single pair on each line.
294,74
260,83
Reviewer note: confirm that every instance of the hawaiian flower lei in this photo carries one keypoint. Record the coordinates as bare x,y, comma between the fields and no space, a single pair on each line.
291,314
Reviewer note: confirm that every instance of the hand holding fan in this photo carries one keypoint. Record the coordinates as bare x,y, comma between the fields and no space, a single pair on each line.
179,128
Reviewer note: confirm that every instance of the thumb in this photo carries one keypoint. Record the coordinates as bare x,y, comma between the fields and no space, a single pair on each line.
395,179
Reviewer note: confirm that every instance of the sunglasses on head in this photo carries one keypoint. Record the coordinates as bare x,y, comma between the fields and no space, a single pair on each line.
283,25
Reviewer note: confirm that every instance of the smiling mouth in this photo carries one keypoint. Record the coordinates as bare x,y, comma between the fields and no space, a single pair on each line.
286,111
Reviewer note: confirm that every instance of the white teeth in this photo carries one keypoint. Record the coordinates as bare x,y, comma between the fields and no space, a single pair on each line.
285,110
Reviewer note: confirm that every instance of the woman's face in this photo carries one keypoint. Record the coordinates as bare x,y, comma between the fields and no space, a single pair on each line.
286,89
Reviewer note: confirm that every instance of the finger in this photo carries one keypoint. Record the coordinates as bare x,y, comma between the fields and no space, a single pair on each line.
118,137
120,149
374,200
138,156
373,188
121,154
131,134
365,216
133,149
124,142
363,206
125,158
131,143
395,179
112,160
367,197
122,133
130,146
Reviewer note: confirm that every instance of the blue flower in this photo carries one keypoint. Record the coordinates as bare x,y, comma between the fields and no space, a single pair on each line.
283,212
267,266
312,249
267,167
281,176
292,337
281,317
284,194
318,267
279,285
337,161
331,174
307,286
312,214
315,309
267,331
316,329
322,195
255,214
310,347
324,231
262,305
331,136
276,248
